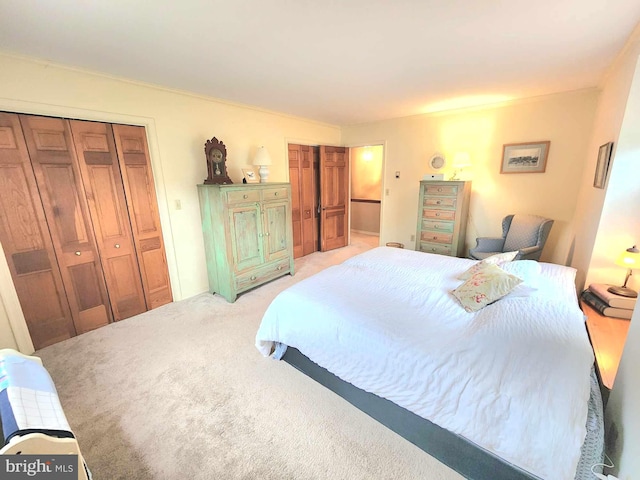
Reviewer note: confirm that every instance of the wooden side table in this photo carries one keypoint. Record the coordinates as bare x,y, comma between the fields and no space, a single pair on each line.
608,336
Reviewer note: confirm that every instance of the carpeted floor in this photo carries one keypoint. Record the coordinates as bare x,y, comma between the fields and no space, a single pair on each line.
180,392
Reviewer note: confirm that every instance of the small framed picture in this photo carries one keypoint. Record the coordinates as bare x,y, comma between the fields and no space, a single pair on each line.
525,157
250,175
602,167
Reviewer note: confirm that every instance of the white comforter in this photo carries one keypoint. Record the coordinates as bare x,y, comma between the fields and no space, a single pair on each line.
512,378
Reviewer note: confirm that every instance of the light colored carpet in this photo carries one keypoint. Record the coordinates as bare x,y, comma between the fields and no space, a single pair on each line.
181,392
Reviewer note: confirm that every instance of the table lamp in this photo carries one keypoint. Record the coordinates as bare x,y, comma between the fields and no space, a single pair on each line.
630,259
263,159
461,160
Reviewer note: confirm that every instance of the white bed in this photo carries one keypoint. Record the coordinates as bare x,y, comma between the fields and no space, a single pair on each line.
513,378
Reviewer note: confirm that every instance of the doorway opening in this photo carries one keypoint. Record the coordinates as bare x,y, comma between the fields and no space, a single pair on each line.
366,193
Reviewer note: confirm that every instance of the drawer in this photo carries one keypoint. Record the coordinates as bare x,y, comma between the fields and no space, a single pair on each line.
440,202
439,214
275,193
261,275
243,196
434,248
441,189
437,237
437,226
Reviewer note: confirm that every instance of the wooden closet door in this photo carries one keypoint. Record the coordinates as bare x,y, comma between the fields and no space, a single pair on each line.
27,244
303,168
56,170
102,182
135,167
334,197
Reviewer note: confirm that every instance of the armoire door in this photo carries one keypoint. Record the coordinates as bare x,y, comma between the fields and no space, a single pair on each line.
27,244
135,168
246,236
103,185
334,197
54,162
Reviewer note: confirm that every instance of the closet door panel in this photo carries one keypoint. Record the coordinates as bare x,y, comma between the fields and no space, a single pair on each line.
135,167
27,244
54,163
104,189
334,178
295,175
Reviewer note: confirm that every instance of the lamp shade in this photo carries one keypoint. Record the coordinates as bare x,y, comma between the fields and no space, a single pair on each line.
461,160
630,258
262,157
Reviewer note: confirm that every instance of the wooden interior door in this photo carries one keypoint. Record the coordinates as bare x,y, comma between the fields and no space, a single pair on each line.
304,179
135,167
27,244
55,166
102,181
334,197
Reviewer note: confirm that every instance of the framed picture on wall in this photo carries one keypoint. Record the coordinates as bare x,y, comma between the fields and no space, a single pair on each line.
525,157
602,167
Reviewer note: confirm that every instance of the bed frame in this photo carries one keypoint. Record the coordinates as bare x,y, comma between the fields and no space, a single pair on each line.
465,457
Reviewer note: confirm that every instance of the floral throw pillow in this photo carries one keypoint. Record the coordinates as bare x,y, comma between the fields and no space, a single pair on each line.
489,284
498,259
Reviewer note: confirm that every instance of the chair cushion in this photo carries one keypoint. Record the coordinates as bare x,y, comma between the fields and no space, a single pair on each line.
523,232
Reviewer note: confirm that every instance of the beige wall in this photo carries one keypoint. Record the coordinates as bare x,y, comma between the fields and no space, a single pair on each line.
564,119
619,228
178,124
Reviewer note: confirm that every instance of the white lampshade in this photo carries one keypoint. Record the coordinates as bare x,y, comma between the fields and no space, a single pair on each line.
461,160
263,159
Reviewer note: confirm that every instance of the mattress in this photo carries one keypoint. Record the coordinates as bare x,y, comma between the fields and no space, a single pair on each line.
513,378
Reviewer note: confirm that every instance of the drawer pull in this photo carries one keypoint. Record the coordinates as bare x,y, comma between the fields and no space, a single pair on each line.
253,277
78,253
439,189
117,245
266,234
436,226
435,237
437,214
438,202
275,194
245,196
279,267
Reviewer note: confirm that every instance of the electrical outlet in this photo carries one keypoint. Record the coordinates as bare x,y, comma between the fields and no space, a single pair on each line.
386,192
413,238
178,204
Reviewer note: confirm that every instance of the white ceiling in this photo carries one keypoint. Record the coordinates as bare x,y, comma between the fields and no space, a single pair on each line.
337,61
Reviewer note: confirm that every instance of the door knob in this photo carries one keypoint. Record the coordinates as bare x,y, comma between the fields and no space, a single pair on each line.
78,253
117,245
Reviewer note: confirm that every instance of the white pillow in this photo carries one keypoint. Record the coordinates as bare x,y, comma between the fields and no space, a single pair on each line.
528,271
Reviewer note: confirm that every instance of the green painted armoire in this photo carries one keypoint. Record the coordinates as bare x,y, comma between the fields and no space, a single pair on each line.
248,237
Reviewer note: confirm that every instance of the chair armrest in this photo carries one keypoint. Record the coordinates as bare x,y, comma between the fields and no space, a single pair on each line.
489,244
529,253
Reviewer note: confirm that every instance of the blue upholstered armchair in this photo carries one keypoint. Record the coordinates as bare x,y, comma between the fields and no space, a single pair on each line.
525,233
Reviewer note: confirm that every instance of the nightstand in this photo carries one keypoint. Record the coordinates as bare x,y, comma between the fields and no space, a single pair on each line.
607,336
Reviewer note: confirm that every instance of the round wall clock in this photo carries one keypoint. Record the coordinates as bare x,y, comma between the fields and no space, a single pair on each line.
437,161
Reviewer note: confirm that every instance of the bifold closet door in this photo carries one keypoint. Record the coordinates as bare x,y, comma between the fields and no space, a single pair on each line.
303,177
98,161
135,167
27,244
55,166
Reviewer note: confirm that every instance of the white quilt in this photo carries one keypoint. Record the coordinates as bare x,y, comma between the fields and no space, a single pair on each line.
512,378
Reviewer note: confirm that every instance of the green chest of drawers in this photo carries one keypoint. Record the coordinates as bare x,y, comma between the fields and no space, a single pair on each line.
442,217
248,235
